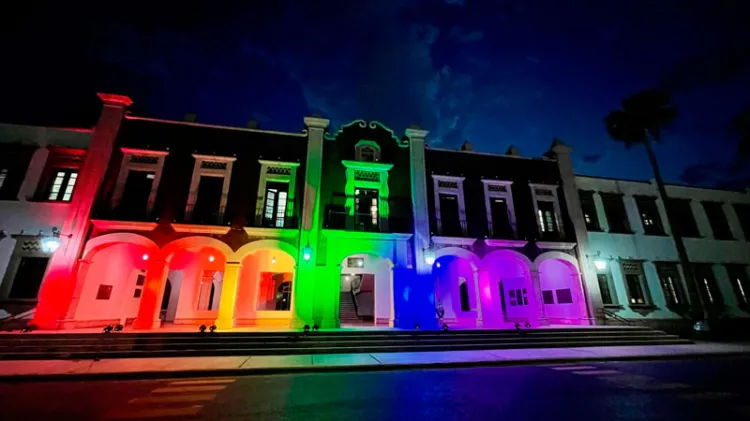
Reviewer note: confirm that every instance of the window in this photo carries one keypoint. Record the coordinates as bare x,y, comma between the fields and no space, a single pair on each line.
681,218
450,212
104,292
649,214
141,280
355,262
3,176
588,207
450,222
274,210
366,209
518,297
547,219
635,281
28,277
564,296
463,290
743,214
606,283
718,221
617,216
62,186
740,283
137,293
501,218
671,284
367,151
548,297
209,189
707,285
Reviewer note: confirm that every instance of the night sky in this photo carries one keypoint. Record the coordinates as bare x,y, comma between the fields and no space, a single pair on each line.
493,72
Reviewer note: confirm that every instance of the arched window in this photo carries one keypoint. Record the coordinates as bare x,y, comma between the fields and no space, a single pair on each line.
367,151
464,291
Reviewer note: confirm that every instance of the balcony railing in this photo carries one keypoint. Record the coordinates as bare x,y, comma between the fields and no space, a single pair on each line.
339,218
286,223
204,218
500,232
451,227
123,212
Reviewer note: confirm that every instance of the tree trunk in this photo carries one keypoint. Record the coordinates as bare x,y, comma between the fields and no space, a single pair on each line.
697,310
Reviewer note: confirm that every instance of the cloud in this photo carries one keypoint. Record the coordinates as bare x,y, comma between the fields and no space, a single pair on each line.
592,159
465,36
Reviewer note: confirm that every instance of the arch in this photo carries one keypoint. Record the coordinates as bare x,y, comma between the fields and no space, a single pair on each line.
458,252
555,255
196,242
506,253
254,246
374,292
98,243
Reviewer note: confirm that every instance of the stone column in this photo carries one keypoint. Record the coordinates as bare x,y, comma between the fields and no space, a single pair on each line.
57,287
537,285
228,301
153,290
80,281
305,288
475,277
328,295
589,285
419,198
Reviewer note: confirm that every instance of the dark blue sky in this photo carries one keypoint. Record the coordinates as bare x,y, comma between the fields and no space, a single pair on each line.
493,72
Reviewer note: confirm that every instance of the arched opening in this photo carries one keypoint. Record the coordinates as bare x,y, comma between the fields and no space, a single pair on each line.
562,296
111,284
455,290
506,289
366,296
265,289
195,278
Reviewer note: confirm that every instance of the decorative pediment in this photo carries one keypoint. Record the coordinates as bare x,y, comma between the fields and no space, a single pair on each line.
361,130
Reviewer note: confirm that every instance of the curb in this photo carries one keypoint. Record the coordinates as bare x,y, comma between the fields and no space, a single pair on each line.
234,372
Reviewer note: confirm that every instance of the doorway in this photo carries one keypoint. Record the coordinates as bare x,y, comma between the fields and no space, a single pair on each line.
28,278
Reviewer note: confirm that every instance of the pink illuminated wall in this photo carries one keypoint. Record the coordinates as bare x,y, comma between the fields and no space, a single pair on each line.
556,276
506,268
449,273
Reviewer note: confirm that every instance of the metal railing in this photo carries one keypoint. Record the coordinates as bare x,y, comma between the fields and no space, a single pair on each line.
212,218
452,227
497,231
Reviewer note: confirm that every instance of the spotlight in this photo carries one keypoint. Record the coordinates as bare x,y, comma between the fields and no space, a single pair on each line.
445,327
202,328
315,328
306,328
416,326
518,326
600,264
437,265
527,325
212,328
307,252
29,328
107,329
118,328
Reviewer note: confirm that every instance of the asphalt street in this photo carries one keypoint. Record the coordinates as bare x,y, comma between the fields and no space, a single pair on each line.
649,390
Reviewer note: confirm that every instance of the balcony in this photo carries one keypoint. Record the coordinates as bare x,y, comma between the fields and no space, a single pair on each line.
451,228
288,222
500,232
197,216
339,218
123,212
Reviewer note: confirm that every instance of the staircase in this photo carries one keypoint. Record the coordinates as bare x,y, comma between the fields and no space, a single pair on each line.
348,310
36,346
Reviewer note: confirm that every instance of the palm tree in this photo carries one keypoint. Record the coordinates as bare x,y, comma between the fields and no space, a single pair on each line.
640,122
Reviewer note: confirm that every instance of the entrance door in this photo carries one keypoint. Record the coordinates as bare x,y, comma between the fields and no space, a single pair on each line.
28,278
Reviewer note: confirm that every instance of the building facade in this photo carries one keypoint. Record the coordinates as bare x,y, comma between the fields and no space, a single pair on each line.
173,223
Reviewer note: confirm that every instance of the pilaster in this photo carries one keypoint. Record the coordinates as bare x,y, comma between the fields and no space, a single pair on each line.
153,290
419,198
225,319
537,285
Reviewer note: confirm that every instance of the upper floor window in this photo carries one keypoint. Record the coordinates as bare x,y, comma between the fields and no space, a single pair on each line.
276,188
209,189
63,183
501,217
588,206
743,214
718,220
681,218
449,205
649,214
134,194
617,216
547,208
274,211
367,151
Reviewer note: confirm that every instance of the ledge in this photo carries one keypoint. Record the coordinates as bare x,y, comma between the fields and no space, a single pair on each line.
458,241
558,245
201,229
270,232
365,235
124,225
505,243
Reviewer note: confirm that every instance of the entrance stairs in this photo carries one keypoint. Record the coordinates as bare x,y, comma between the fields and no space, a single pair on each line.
348,311
38,346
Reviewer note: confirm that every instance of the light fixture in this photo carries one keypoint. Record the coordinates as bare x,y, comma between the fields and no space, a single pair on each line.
273,260
145,256
600,264
361,263
307,252
429,256
438,264
50,244
211,258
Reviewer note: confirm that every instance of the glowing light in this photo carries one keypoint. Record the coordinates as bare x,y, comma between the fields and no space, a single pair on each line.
50,244
211,258
145,256
600,264
429,256
273,260
438,264
307,252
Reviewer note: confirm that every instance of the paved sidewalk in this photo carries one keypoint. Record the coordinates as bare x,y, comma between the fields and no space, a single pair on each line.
243,365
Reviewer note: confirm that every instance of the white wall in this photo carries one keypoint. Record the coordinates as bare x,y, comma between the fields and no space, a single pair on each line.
649,248
383,296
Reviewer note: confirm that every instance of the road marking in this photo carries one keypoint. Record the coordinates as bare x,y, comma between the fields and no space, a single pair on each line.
596,372
708,395
189,389
202,381
173,398
156,413
573,367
